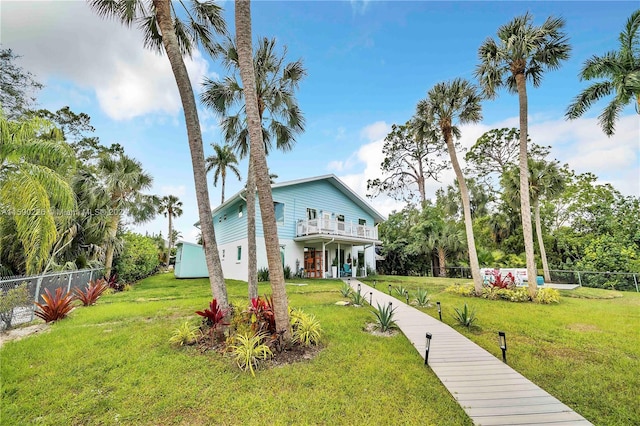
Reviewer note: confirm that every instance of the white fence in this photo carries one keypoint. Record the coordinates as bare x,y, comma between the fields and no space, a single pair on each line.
36,285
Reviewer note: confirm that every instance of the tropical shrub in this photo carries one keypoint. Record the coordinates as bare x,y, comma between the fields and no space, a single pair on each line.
422,298
547,296
186,334
261,315
55,307
465,316
400,291
518,294
498,281
287,272
462,290
138,259
91,292
306,330
345,290
384,318
214,317
249,349
263,275
12,299
357,298
113,283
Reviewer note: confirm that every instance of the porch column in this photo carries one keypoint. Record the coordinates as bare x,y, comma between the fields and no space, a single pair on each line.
324,262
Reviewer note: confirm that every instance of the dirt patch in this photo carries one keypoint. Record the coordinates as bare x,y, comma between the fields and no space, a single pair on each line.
583,327
371,329
19,333
293,355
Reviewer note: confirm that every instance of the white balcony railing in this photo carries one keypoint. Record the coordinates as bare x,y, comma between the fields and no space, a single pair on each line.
335,227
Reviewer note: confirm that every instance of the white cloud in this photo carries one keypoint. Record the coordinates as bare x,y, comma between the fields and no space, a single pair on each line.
375,131
359,6
68,40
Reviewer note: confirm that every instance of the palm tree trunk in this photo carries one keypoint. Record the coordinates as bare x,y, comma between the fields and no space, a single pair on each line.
466,207
170,42
442,257
261,171
170,235
525,206
252,258
224,178
111,235
543,252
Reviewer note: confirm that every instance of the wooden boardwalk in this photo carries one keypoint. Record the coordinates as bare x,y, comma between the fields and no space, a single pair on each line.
489,391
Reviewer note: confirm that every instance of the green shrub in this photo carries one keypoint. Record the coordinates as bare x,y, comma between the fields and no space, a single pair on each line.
547,296
518,294
345,290
11,299
463,290
465,316
422,298
306,329
384,318
357,298
287,272
138,259
249,350
263,275
186,334
400,291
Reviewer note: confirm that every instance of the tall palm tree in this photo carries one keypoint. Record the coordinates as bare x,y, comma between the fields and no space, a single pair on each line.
545,182
171,207
163,30
219,162
121,184
279,114
523,52
258,158
445,104
620,71
33,185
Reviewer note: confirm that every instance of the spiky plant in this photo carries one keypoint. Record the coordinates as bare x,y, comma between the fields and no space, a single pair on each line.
384,318
55,307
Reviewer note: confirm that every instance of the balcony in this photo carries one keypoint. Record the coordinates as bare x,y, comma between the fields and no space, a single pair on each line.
332,227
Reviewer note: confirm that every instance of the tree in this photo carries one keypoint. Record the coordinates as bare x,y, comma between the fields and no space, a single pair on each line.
409,161
163,30
545,182
171,207
223,159
35,165
280,117
121,181
16,86
445,104
258,159
523,52
620,74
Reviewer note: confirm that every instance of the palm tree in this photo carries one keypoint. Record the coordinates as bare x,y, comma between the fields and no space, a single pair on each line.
545,182
163,30
258,162
279,114
446,103
33,185
523,52
171,207
620,71
121,182
219,162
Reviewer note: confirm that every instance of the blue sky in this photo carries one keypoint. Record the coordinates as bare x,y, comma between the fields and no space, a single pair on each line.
368,64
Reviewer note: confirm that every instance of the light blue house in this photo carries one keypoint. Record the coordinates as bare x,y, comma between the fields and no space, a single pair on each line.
190,261
324,230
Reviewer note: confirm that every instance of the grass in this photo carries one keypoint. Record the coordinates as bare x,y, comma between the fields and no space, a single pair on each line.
113,363
585,351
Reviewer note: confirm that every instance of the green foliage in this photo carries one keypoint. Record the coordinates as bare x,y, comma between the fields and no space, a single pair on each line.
91,292
138,259
462,289
357,298
55,307
465,316
306,329
287,272
422,298
384,318
400,291
11,299
263,275
249,350
215,316
186,334
345,290
547,296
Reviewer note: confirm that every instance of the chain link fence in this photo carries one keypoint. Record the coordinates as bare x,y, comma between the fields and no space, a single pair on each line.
36,285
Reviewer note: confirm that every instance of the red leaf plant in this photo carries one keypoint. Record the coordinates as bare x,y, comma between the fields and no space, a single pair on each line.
215,315
55,307
92,292
507,282
263,318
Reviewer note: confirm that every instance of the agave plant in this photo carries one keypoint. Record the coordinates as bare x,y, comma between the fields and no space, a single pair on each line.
422,298
400,291
384,318
55,307
345,290
92,292
465,316
249,350
357,298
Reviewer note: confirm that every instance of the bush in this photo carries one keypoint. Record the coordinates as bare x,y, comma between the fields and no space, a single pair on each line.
11,299
263,275
138,259
249,350
55,307
465,316
186,334
92,292
287,272
345,290
384,318
306,328
357,298
463,290
422,298
547,296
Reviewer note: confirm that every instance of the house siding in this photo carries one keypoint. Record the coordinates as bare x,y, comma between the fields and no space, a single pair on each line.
228,226
190,261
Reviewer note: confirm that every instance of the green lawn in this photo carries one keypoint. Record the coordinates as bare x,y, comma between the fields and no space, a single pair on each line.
112,364
585,351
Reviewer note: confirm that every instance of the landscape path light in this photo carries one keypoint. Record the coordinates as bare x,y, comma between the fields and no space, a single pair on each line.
426,351
439,310
502,340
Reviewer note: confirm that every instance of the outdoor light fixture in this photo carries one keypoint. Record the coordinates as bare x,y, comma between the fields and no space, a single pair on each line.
502,340
439,310
389,288
406,293
358,287
370,298
374,283
426,351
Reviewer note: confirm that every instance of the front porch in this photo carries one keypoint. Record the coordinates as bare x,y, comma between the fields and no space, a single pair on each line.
328,226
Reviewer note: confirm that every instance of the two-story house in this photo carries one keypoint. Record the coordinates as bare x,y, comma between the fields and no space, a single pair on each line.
324,230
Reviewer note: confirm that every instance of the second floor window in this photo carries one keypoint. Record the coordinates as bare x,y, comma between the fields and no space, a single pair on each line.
279,209
312,214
